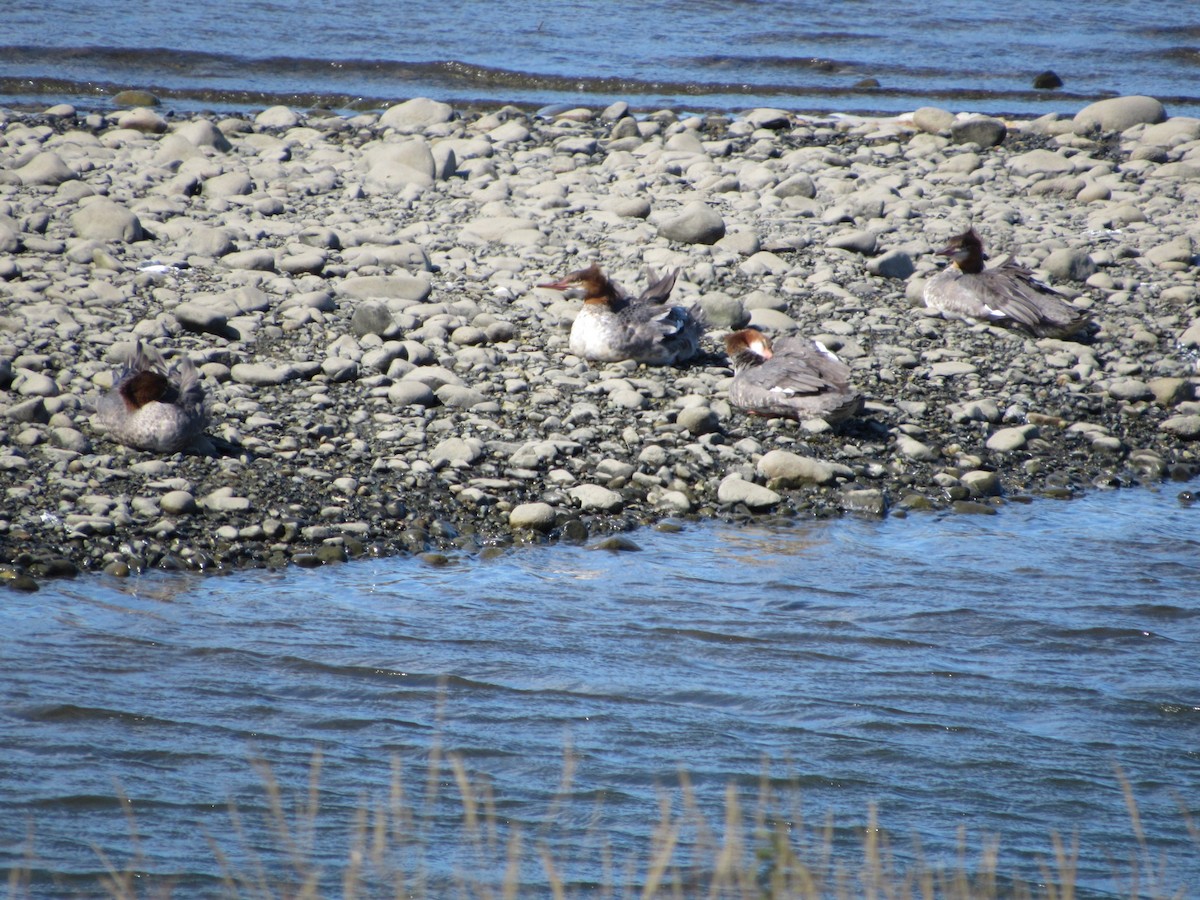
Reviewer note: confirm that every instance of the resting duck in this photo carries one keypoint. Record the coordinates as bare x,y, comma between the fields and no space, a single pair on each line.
1006,294
794,378
613,326
150,407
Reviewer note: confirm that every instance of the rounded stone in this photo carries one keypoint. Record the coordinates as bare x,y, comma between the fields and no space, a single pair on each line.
596,497
532,516
735,490
178,503
1119,113
699,420
696,223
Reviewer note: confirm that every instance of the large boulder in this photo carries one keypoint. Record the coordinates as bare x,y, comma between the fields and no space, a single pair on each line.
1119,113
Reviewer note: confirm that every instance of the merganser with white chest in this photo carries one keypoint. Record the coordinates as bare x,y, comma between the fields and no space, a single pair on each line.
613,326
151,407
793,378
1006,294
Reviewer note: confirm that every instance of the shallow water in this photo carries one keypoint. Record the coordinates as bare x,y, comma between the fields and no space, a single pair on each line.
735,54
995,673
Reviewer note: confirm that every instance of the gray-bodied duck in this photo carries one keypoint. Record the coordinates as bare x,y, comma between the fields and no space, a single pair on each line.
1006,294
151,407
613,326
793,378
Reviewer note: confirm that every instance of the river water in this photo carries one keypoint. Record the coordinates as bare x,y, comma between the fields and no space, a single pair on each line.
802,55
1004,674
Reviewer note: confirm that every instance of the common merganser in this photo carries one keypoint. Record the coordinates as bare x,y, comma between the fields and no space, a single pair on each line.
1006,294
613,326
151,407
793,378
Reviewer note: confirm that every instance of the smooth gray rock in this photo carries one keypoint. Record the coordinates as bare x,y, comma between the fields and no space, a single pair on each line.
696,223
865,502
909,447
258,260
1069,264
104,220
457,450
699,420
279,117
1040,162
1006,440
408,393
596,497
981,483
737,490
933,120
768,117
262,374
1130,389
177,503
45,168
1185,427
863,242
387,287
392,167
532,516
372,317
1119,113
228,184
798,185
224,500
784,469
460,397
1177,250
416,114
892,264
723,311
982,130
203,133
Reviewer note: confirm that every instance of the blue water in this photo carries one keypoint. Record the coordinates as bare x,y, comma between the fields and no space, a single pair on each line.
805,56
1002,674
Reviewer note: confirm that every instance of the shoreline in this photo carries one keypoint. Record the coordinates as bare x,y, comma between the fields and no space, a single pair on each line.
383,377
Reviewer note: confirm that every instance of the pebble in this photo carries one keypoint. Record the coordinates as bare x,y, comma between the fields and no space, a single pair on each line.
696,223
734,490
533,516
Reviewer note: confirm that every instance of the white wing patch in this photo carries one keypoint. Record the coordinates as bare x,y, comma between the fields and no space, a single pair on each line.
821,348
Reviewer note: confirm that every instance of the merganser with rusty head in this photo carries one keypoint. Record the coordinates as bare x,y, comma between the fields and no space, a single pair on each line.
151,407
793,378
613,326
1006,294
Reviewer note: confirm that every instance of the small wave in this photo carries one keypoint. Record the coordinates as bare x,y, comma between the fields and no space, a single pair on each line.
1188,56
361,84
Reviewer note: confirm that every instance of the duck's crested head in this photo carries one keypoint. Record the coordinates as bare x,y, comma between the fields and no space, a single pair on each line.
144,387
965,251
591,283
748,341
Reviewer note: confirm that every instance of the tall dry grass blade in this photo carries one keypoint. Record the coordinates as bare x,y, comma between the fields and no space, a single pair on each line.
20,877
660,860
1135,816
352,876
871,872
724,869
308,833
278,817
468,797
228,879
1068,864
511,889
259,875
556,885
563,791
